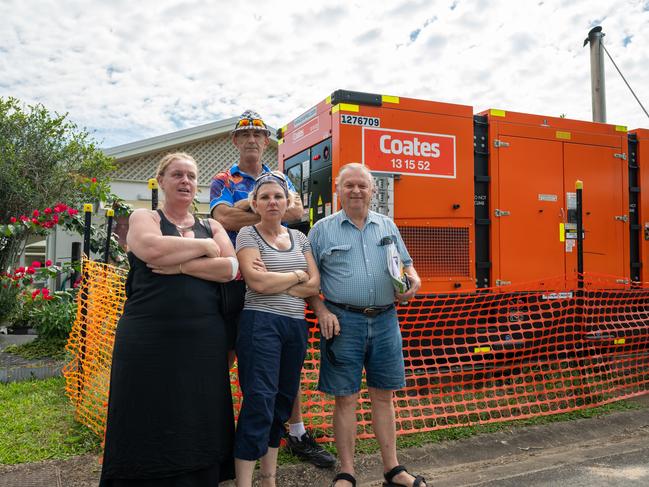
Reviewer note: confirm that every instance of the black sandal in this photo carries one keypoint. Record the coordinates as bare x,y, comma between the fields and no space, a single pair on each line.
419,480
343,476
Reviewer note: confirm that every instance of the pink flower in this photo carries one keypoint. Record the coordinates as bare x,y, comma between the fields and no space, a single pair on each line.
36,213
47,211
35,221
23,218
36,264
13,219
48,263
72,211
20,270
55,218
30,270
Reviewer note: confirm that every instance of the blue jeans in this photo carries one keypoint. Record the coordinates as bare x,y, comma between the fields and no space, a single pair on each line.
373,343
270,350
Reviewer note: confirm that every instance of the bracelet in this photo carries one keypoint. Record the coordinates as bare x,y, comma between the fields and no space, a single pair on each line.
180,268
235,266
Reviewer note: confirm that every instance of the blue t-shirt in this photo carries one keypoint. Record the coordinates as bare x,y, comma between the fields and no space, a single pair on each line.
234,185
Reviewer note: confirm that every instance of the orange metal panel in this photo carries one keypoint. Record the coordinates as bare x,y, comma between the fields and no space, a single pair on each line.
530,194
417,196
562,124
605,205
587,151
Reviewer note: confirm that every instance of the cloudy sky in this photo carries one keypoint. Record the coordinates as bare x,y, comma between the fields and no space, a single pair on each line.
128,70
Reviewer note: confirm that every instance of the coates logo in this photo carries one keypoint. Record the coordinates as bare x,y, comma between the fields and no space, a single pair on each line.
404,152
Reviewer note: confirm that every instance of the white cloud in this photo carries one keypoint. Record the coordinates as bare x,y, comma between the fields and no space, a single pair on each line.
129,70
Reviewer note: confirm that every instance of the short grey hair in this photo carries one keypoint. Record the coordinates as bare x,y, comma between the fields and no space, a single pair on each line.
355,165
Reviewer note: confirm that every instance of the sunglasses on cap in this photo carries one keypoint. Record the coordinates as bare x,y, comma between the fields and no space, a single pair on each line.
251,122
272,174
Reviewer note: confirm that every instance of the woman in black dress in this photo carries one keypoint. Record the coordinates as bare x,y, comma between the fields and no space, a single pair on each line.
170,421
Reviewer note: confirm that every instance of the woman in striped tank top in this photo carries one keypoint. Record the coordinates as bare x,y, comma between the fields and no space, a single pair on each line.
279,270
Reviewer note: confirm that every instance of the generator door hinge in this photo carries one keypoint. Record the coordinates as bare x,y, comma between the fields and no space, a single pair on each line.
622,218
503,283
621,155
501,212
500,143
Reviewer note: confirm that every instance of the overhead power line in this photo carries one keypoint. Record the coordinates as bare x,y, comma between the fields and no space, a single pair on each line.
627,83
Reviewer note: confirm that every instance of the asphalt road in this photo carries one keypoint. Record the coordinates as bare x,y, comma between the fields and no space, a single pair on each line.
621,462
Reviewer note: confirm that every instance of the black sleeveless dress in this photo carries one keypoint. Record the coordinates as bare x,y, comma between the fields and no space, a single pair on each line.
170,420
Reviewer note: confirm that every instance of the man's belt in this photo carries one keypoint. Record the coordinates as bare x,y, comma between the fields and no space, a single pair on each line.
370,311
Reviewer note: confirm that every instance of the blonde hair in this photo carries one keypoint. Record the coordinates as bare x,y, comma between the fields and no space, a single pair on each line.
169,158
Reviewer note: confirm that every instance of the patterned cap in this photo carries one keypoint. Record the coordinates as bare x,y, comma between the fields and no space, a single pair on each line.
251,120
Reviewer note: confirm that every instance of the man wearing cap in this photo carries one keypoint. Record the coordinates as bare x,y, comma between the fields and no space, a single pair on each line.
229,206
358,320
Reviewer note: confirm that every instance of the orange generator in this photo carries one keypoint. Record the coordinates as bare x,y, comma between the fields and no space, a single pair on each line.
481,200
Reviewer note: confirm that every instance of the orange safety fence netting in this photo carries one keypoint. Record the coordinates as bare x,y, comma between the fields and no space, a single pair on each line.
480,357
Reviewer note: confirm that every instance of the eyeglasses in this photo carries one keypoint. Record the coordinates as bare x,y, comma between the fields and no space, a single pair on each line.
247,122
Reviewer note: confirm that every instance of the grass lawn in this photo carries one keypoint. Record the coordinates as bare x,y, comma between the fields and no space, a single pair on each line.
37,423
40,348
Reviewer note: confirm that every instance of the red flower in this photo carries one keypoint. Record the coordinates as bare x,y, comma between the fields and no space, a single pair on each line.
12,219
94,180
36,213
30,270
35,221
23,218
20,270
55,218
47,298
48,263
45,292
47,211
72,211
35,293
36,264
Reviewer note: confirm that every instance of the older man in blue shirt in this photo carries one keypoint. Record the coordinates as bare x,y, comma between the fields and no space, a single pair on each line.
358,320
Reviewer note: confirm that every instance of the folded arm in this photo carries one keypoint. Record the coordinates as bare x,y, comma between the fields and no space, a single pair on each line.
266,282
146,241
219,269
310,287
234,218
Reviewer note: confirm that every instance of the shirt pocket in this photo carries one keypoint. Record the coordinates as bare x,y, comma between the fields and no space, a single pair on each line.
384,244
336,260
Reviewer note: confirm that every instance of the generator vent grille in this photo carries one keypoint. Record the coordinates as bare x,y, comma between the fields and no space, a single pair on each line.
438,251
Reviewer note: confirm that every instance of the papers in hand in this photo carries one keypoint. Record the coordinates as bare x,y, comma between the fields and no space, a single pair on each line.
395,268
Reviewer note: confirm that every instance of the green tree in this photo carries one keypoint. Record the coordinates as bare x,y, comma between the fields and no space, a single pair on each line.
44,159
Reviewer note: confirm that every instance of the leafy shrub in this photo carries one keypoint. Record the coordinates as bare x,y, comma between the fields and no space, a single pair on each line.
8,299
52,315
